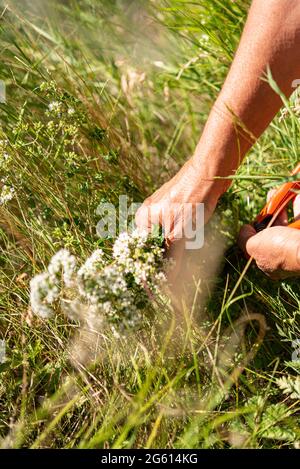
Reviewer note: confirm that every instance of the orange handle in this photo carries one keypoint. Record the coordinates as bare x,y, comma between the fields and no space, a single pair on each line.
295,224
283,195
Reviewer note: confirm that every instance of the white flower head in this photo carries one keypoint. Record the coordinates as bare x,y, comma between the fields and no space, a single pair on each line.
112,292
7,193
55,108
43,292
138,255
63,263
89,270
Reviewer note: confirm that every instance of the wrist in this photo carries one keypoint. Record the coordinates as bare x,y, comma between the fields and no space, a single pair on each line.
220,149
210,179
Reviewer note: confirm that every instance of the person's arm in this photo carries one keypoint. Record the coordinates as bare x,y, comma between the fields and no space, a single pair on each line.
271,38
243,110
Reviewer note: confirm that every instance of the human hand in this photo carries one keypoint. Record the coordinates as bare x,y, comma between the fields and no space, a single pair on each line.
166,207
276,250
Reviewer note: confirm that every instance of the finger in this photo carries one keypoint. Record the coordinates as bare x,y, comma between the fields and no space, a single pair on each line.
247,231
282,218
296,207
147,216
142,219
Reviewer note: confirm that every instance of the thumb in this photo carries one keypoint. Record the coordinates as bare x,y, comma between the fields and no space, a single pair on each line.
246,233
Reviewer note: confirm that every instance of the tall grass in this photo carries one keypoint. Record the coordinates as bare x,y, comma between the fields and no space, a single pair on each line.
140,82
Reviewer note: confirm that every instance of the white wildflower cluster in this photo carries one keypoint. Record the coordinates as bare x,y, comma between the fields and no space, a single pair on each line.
115,292
91,265
58,109
43,293
62,264
55,108
105,286
139,256
46,288
63,119
7,193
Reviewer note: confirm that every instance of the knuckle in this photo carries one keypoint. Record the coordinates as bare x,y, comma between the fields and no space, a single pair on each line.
141,215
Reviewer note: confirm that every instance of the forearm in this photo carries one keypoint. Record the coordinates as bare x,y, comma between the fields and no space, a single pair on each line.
247,103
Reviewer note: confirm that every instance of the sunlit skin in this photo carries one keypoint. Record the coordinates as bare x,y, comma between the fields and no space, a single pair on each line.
243,110
276,250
